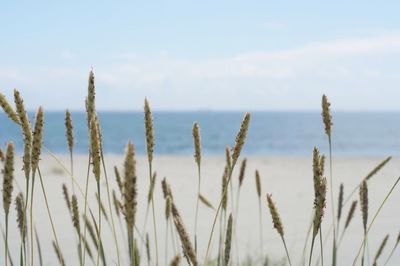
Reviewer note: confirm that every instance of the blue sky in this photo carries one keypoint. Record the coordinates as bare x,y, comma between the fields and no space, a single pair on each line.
187,55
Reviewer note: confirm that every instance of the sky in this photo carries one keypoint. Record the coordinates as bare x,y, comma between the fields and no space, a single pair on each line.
202,55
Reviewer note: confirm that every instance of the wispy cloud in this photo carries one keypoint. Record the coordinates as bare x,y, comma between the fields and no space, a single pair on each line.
286,79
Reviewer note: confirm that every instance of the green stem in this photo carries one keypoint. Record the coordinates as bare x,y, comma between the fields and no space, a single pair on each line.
261,231
197,208
321,247
333,202
375,216
48,209
286,250
99,231
391,254
110,207
154,215
6,241
85,208
216,215
30,217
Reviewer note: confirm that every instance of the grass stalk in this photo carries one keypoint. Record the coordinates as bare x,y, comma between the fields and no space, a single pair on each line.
374,218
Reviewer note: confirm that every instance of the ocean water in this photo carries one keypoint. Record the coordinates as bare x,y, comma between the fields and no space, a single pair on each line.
270,133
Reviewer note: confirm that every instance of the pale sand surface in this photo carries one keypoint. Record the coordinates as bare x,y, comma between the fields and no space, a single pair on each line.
289,179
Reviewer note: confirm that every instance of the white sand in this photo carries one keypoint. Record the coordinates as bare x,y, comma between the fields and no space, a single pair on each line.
289,179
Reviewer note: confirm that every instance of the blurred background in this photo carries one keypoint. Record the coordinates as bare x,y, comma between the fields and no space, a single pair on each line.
209,62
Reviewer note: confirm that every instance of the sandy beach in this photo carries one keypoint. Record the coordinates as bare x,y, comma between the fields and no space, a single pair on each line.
288,179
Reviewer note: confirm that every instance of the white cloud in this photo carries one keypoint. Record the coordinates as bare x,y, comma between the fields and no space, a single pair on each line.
348,70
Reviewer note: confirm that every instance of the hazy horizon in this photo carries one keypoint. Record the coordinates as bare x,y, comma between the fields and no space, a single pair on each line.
187,56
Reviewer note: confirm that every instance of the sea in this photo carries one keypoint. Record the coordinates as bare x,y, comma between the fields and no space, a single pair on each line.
270,133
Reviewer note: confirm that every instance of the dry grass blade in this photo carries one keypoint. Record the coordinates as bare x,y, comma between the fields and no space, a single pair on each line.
380,249
350,215
206,202
59,254
118,179
66,197
242,171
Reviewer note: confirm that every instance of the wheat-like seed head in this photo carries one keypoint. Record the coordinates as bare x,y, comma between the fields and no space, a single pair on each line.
75,214
183,235
326,115
240,138
168,204
351,213
66,197
340,201
116,202
148,246
380,249
175,261
364,203
205,201
228,240
26,130
130,190
8,109
148,122
90,229
197,143
118,179
228,160
276,220
91,99
242,171
2,157
87,247
8,176
151,188
378,167
37,140
224,190
69,131
95,149
258,183
319,205
166,189
59,254
21,218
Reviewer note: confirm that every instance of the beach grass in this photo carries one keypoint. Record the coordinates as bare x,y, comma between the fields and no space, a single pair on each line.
91,219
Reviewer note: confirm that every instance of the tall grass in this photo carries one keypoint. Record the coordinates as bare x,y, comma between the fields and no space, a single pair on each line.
89,226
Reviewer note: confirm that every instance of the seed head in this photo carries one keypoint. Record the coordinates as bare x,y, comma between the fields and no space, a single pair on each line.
8,176
326,115
69,131
148,122
240,138
276,220
8,109
197,143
